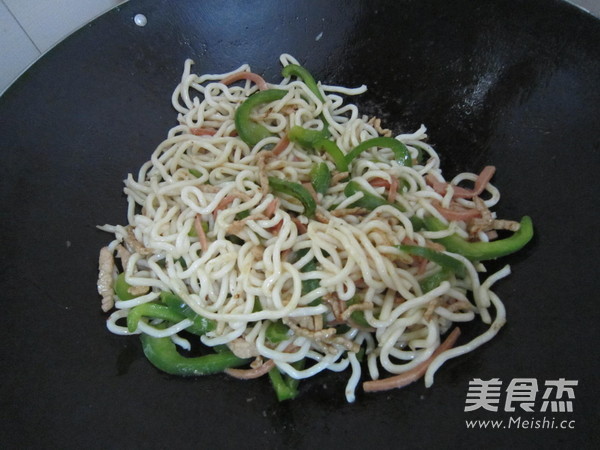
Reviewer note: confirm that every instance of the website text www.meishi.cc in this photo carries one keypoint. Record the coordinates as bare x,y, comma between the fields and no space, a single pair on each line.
522,423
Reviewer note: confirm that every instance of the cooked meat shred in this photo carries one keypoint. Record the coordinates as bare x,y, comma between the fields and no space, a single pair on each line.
138,290
123,255
337,177
487,222
376,123
356,307
241,348
262,161
357,211
326,337
106,268
135,245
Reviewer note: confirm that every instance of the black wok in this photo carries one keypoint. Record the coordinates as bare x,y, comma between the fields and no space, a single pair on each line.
509,83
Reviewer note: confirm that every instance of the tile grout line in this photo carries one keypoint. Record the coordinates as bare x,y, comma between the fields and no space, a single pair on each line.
22,28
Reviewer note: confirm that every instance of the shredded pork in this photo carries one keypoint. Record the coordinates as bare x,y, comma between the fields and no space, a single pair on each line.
326,337
106,268
241,348
486,222
376,123
136,246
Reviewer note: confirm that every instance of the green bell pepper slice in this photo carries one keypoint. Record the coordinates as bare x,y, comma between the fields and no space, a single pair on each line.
295,190
441,259
358,317
400,150
337,156
201,325
286,387
249,131
317,140
306,138
153,310
368,200
277,332
195,172
161,352
320,177
481,251
122,288
432,281
305,76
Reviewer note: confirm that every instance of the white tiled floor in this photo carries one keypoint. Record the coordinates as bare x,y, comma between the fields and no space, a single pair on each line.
29,28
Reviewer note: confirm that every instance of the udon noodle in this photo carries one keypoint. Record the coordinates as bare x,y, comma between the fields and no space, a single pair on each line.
208,224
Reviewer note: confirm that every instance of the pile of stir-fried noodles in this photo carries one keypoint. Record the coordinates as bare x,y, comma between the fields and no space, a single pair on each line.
289,234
